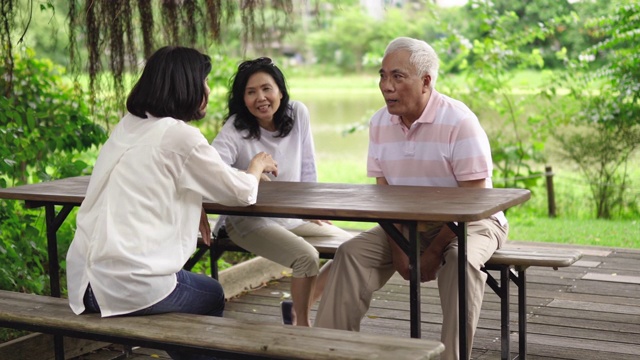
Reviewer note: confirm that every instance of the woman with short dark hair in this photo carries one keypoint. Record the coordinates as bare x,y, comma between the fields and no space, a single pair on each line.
172,85
261,118
139,221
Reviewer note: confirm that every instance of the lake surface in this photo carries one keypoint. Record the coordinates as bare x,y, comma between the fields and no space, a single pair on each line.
332,114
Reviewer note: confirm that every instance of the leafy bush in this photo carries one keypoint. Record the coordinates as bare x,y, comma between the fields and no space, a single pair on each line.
22,250
42,119
487,64
604,132
45,127
223,68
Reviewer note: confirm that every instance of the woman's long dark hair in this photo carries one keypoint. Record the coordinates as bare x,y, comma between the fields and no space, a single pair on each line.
171,85
244,118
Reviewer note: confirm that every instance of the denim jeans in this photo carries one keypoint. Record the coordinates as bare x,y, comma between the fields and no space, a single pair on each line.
194,294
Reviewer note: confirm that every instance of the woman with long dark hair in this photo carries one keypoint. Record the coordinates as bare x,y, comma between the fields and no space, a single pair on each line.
262,118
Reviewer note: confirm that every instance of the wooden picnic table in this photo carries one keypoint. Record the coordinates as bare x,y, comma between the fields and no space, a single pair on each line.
386,205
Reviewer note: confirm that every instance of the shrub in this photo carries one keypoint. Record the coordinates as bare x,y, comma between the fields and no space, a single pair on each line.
45,127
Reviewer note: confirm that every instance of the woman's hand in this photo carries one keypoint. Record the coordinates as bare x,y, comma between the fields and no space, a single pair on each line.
262,163
205,228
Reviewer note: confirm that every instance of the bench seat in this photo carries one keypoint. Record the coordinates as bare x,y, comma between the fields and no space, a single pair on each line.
529,257
229,338
511,263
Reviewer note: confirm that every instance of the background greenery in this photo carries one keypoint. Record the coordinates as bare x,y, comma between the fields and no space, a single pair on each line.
554,83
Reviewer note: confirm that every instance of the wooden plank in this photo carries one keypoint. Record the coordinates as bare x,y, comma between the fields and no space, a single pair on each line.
211,332
530,257
552,298
604,288
629,265
585,250
587,263
605,320
598,307
612,278
569,318
592,345
324,245
602,328
318,200
606,298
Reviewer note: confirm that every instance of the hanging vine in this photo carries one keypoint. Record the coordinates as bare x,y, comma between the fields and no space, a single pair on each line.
146,20
6,9
117,34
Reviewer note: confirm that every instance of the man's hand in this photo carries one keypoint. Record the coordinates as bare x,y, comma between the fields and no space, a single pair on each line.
320,222
430,263
205,228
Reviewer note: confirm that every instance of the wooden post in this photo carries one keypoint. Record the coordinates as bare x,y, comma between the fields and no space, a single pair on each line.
551,196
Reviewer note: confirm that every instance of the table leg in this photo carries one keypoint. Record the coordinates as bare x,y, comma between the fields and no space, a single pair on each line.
461,232
53,222
414,282
411,247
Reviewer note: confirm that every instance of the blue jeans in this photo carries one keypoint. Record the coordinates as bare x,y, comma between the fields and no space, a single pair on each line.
194,294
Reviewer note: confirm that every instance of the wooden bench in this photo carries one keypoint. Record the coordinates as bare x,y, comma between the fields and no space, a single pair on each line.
228,338
510,263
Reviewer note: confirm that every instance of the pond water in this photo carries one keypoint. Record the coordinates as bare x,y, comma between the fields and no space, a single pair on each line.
332,114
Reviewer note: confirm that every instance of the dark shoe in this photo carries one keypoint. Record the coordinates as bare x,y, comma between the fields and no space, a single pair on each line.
287,307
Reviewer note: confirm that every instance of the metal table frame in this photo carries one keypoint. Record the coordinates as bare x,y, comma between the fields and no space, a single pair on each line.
386,205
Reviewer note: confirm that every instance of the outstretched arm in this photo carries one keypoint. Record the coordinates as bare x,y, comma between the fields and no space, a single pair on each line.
205,228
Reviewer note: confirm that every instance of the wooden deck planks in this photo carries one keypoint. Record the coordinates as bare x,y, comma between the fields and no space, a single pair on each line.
572,314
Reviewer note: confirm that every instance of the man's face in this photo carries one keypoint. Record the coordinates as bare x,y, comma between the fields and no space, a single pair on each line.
405,93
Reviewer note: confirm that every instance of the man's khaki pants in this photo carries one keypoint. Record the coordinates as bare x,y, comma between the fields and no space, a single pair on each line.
363,265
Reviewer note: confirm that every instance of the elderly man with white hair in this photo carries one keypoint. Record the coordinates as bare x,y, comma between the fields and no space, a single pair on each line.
420,138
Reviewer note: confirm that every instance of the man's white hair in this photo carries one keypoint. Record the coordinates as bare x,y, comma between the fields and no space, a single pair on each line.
422,56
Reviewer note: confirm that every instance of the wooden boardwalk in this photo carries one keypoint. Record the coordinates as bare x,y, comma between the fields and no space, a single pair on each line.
590,310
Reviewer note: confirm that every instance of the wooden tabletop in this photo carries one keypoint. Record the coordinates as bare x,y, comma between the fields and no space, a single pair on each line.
356,202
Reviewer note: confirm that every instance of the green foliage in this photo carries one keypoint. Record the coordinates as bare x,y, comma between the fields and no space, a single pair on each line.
601,154
354,40
43,119
219,81
22,250
346,41
45,128
603,133
487,63
42,25
559,17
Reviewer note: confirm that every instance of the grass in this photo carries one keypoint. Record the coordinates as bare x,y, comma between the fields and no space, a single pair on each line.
575,223
529,222
612,233
524,81
608,233
342,160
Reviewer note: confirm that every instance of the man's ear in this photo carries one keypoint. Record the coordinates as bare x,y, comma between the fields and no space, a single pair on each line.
426,82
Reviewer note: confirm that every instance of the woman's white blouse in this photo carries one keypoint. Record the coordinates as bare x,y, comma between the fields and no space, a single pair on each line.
138,224
294,154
